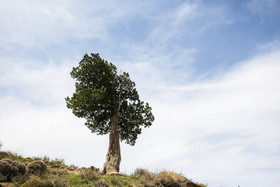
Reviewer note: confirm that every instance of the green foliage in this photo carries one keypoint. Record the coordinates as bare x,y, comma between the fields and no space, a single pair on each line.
101,94
94,168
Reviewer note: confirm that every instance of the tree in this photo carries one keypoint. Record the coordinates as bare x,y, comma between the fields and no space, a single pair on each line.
110,104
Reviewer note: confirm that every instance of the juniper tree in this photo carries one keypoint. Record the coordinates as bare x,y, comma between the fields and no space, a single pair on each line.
110,104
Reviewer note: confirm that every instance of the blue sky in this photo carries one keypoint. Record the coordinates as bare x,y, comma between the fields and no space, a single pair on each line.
209,69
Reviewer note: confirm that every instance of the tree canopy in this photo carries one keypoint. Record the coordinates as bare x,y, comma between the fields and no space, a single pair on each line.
101,93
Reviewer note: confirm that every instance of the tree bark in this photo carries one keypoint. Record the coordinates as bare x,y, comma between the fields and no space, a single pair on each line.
113,158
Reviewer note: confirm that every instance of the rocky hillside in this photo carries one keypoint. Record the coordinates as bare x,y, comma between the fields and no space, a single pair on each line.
44,172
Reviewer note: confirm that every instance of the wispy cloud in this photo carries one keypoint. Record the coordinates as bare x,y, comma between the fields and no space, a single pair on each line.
219,129
225,126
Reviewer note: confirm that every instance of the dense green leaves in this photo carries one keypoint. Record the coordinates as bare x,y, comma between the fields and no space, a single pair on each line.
101,94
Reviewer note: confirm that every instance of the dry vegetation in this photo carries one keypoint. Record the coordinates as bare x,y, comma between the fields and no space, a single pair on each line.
44,172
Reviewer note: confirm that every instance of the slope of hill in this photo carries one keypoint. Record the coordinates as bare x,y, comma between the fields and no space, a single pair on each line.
16,170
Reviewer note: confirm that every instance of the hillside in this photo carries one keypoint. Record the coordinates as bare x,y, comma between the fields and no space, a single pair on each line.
16,170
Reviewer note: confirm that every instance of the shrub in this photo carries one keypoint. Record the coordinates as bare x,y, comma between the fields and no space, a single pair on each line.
170,179
19,169
37,182
6,170
0,145
84,181
88,174
4,154
101,183
46,159
139,172
94,168
115,181
73,167
37,167
59,180
59,161
13,171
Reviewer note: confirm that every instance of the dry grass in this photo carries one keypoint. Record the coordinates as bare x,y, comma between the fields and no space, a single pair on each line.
170,179
37,182
89,174
59,174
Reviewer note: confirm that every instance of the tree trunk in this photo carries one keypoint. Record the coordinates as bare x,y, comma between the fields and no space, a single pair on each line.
113,158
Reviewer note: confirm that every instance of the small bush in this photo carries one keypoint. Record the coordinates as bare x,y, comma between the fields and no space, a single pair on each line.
59,161
37,182
46,159
73,167
59,180
6,170
88,174
84,181
4,154
37,167
19,169
101,183
115,181
58,172
94,168
170,179
37,158
139,172
11,171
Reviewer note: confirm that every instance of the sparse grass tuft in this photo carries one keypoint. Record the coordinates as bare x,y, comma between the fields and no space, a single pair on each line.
89,174
37,182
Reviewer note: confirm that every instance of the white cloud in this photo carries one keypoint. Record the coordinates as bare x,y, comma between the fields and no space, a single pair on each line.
221,131
43,24
226,126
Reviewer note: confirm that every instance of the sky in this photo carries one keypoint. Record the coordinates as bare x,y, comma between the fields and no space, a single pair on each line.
209,69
